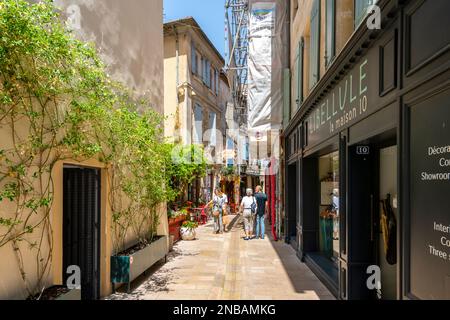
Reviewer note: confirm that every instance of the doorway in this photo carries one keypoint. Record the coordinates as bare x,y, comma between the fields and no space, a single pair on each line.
372,214
81,227
293,195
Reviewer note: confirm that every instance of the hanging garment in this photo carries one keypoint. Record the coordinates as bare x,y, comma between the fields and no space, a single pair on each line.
389,231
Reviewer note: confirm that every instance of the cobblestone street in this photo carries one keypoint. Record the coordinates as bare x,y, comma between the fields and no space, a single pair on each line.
229,268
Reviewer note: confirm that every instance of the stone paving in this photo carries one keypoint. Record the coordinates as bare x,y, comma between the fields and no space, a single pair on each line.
225,267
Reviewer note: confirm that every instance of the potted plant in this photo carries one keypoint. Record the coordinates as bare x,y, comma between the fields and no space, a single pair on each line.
175,220
188,230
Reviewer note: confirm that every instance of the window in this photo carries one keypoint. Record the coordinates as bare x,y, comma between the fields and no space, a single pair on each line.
193,59
298,89
217,81
329,206
197,132
208,76
314,66
230,147
207,72
204,70
330,34
286,96
213,79
361,7
199,65
201,71
213,128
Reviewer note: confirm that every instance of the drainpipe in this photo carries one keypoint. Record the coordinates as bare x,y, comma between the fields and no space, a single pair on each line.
177,76
282,174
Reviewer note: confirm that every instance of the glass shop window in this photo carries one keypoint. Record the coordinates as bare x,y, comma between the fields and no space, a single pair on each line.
329,206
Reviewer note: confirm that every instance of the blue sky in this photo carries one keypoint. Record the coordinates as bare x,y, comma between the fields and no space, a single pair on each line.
208,13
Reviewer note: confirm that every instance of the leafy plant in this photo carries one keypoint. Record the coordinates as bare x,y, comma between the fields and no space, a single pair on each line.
190,225
57,102
185,164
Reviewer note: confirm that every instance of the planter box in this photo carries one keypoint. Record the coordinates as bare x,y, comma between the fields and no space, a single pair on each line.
125,269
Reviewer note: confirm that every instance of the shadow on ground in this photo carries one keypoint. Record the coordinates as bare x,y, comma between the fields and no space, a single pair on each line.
156,279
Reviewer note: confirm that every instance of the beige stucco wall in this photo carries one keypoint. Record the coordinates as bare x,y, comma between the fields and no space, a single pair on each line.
190,88
129,37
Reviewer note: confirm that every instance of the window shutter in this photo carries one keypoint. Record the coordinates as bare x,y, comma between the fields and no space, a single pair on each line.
213,128
193,59
207,73
330,31
198,125
299,71
287,95
361,10
315,44
210,79
202,71
217,82
296,76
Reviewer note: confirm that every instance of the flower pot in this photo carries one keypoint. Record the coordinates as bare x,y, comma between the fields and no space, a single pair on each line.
125,269
174,227
171,242
187,234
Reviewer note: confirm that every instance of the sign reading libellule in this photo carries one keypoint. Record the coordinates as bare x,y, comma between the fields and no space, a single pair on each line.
347,103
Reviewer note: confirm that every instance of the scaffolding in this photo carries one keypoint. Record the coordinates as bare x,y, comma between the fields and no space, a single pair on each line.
236,37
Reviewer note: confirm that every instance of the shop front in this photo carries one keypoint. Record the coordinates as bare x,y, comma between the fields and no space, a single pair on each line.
367,164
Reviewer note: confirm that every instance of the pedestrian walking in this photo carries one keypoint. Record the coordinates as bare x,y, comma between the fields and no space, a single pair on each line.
262,209
218,202
248,209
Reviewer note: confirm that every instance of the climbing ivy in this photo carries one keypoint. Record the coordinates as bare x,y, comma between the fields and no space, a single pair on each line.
57,102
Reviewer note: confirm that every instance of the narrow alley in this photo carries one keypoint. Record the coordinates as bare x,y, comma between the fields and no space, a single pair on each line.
225,267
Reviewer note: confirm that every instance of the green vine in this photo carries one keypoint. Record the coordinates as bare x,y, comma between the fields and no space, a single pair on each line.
57,103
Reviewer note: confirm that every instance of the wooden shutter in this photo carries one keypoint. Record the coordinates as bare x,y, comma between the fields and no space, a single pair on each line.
314,66
198,124
286,96
217,81
193,59
330,31
209,74
361,10
299,99
81,227
296,77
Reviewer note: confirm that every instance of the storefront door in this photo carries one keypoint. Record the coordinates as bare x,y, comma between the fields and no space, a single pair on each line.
81,227
372,219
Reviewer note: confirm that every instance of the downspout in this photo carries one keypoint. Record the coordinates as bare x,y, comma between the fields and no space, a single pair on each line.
283,174
177,77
